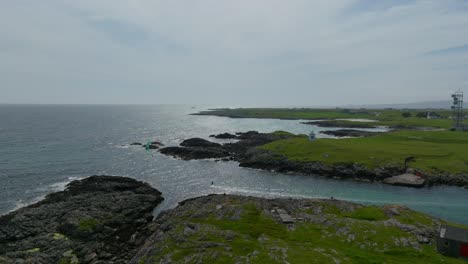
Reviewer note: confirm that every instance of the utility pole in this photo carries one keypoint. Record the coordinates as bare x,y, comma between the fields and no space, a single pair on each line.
457,108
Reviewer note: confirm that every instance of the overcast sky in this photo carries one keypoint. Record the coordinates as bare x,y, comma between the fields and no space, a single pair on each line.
240,52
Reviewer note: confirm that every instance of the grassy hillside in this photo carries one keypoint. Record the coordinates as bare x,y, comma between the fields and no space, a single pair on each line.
232,229
435,150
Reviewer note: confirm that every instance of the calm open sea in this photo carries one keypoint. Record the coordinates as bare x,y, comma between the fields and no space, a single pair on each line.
44,147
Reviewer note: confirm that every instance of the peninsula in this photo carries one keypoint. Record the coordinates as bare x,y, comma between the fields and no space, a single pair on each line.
418,141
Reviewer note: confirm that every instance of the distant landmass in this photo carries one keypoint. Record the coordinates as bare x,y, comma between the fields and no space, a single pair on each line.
416,105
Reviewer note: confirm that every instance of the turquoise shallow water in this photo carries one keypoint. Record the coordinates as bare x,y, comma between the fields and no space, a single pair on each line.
44,147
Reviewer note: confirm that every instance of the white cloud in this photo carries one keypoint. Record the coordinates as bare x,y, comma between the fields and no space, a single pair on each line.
230,52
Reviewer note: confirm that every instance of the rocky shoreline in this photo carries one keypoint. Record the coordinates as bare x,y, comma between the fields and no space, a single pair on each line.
108,219
339,124
246,152
349,133
240,229
100,219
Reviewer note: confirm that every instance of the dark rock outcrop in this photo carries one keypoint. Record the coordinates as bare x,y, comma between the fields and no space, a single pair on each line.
157,143
198,148
349,133
199,142
416,128
224,136
266,160
334,123
100,219
153,145
195,153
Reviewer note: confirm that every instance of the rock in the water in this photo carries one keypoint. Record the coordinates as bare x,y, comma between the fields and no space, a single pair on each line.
199,142
153,145
157,143
198,148
92,221
247,135
224,136
136,144
409,180
195,153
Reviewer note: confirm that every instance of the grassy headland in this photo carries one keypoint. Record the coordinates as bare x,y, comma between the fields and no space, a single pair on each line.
442,153
432,150
233,229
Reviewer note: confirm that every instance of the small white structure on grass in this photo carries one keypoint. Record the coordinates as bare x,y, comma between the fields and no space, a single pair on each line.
312,136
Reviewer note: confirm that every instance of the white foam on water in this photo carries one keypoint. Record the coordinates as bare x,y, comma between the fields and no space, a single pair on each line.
54,187
263,192
274,193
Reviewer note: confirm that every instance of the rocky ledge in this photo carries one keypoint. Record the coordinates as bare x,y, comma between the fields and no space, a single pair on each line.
349,133
406,179
224,136
100,219
198,148
239,229
104,219
338,123
246,152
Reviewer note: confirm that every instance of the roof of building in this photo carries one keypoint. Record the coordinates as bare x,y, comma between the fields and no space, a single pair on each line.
454,233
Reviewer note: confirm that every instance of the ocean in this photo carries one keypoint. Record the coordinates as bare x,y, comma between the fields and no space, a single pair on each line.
43,147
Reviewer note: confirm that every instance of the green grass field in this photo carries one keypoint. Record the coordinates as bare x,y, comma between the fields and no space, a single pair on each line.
360,236
433,150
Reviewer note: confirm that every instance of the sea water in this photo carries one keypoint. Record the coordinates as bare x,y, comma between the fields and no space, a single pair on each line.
43,147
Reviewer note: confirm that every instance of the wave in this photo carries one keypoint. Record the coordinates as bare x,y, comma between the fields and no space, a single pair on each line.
54,187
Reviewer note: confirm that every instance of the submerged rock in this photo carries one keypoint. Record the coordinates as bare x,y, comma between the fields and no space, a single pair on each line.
100,219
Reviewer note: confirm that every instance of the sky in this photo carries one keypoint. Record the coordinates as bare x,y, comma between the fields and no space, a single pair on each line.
242,52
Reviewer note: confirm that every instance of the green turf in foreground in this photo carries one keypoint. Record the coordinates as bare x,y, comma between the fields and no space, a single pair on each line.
433,150
357,237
